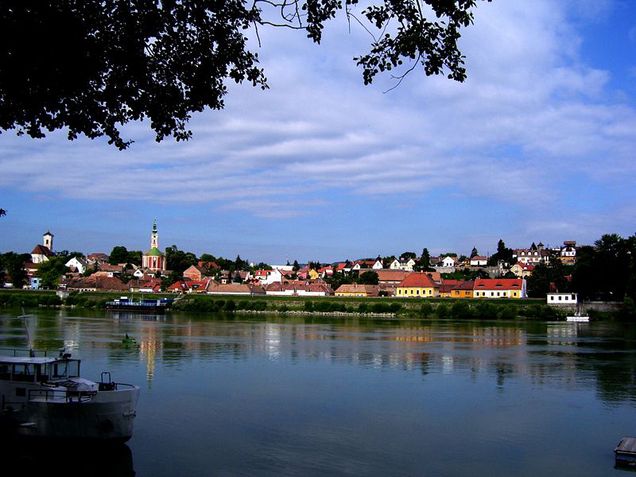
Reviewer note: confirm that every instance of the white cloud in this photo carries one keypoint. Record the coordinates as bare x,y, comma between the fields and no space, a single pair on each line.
529,110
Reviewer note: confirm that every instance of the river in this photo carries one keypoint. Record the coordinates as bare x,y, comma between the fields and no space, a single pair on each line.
249,395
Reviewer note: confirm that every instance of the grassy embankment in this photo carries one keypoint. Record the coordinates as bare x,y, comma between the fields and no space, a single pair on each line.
440,308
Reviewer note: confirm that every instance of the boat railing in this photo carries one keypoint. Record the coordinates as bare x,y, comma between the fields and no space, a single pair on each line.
60,395
26,353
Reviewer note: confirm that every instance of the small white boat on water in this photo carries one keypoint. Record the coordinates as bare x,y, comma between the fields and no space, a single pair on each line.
45,397
578,317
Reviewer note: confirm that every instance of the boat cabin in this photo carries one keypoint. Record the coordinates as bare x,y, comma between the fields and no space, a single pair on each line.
37,369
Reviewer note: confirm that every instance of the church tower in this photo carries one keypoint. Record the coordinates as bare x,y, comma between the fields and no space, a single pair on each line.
153,259
154,236
47,240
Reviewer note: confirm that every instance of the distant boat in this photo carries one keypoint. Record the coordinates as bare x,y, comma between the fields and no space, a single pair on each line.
578,317
124,303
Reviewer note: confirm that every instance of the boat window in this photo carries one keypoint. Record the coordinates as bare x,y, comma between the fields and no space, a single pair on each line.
65,369
5,372
23,372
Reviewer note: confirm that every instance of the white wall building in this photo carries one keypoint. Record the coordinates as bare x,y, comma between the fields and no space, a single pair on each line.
562,299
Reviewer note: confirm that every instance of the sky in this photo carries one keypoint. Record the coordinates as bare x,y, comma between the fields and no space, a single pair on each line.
538,144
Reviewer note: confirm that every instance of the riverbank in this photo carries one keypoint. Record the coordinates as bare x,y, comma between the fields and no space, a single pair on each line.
382,307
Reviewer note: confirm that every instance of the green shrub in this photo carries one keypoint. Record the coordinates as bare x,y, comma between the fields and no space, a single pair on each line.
426,309
460,310
442,311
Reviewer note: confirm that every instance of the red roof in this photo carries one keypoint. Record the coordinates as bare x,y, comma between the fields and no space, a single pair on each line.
417,280
498,284
42,250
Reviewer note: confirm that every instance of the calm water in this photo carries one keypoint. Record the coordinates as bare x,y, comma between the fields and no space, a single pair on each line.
241,396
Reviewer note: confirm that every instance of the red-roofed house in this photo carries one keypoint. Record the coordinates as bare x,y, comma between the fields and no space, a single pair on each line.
215,288
299,288
522,270
500,288
417,284
357,289
193,273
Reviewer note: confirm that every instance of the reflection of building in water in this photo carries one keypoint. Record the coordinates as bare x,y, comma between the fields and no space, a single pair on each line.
72,335
148,348
563,333
272,340
493,336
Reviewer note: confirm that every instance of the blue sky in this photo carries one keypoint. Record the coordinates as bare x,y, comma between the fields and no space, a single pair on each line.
537,145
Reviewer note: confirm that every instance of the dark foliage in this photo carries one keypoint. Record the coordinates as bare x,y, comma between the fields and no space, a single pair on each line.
91,66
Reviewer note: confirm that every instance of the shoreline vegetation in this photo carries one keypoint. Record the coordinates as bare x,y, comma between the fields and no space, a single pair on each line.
374,308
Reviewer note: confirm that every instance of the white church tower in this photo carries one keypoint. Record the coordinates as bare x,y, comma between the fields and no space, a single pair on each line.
47,240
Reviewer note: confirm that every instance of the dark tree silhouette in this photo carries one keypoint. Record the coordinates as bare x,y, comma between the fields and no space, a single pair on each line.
91,66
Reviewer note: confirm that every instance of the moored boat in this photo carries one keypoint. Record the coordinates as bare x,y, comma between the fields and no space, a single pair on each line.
45,397
124,303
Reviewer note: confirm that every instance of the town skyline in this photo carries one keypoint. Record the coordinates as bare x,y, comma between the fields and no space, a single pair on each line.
48,240
537,144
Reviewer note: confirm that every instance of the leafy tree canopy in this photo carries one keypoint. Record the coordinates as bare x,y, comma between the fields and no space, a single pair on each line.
119,254
12,268
91,66
368,278
178,260
51,271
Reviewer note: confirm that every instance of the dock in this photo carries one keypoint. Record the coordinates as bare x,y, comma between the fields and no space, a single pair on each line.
625,451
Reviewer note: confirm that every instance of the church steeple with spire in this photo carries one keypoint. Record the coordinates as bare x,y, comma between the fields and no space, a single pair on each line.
154,237
153,259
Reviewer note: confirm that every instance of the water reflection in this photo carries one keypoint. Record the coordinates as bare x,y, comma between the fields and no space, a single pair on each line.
545,353
302,396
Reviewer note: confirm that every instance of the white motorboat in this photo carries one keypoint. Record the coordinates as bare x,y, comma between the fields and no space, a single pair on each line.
45,397
578,318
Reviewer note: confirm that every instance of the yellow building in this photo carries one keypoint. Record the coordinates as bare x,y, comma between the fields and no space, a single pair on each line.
417,284
500,288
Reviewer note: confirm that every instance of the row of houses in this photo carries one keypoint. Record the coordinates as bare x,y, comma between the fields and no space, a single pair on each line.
422,285
412,285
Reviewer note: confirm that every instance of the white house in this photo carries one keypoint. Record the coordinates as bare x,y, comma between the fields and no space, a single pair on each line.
478,261
568,252
562,298
265,277
377,265
533,255
448,262
406,265
77,264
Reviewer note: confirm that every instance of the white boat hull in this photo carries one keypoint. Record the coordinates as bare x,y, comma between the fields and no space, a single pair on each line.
107,416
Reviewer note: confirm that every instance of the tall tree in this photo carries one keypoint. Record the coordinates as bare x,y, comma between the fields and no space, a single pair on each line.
51,271
503,254
424,262
91,66
119,254
13,266
178,260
